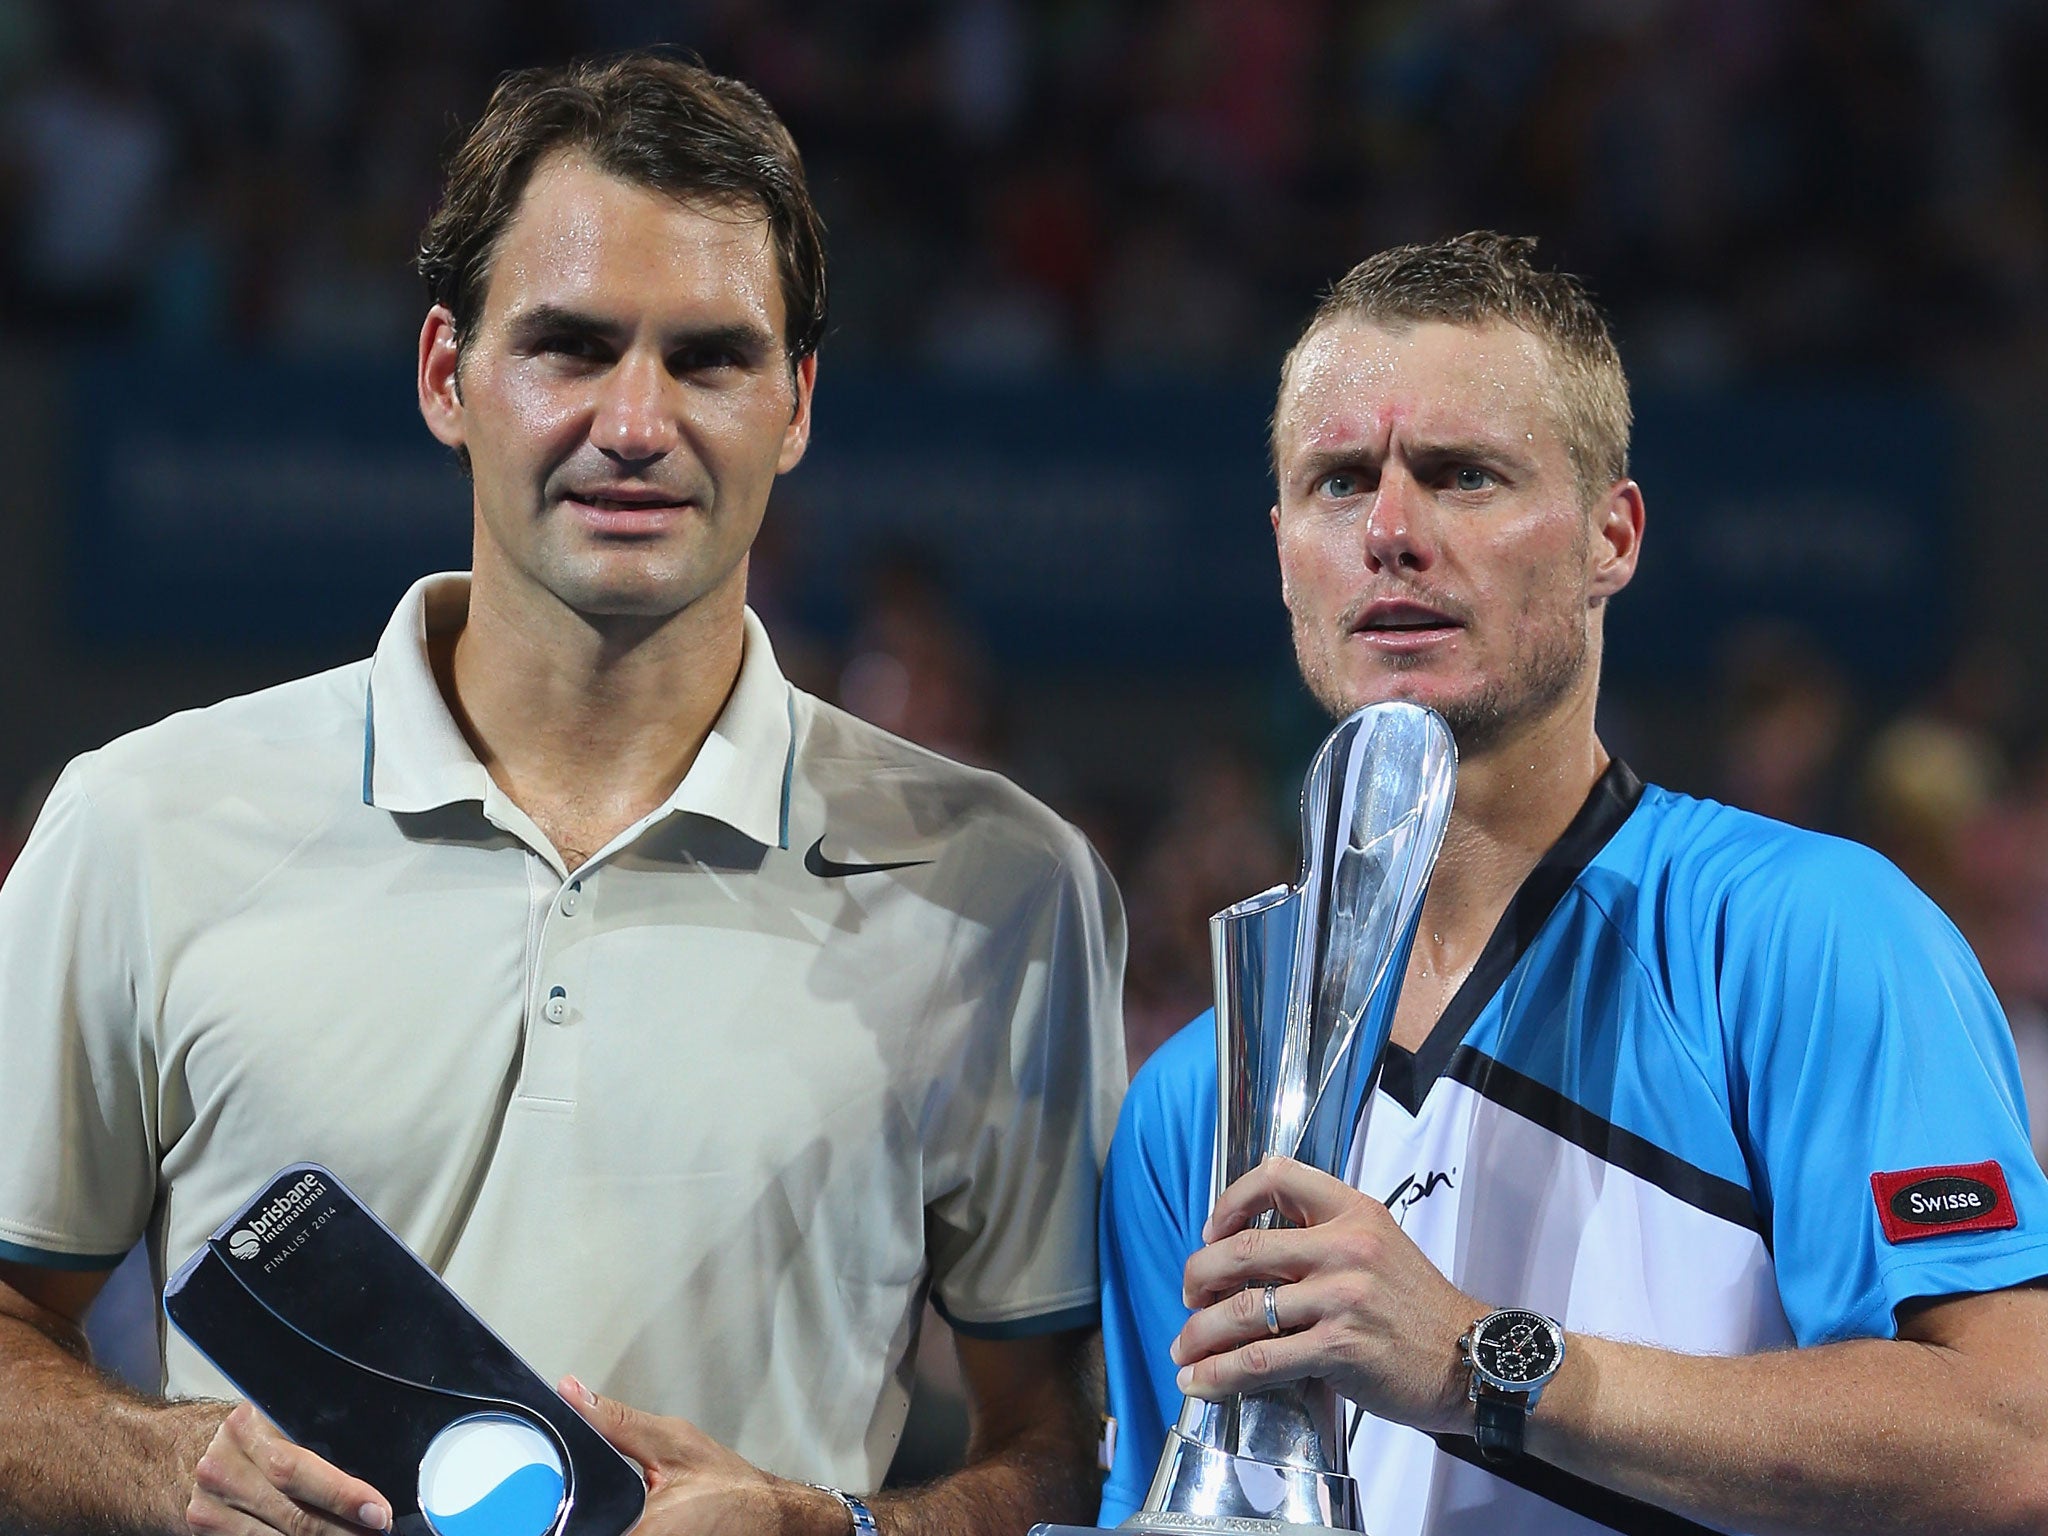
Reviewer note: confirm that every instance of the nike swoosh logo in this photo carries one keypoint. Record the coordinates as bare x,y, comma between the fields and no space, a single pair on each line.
831,869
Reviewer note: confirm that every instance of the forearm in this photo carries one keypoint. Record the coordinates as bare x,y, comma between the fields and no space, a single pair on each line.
1871,1436
1042,1477
1944,1428
80,1452
1033,1411
1035,1414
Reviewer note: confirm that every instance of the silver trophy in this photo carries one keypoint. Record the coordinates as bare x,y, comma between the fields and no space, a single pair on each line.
1307,977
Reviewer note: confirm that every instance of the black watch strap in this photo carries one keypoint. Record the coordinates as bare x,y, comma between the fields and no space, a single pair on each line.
1499,1423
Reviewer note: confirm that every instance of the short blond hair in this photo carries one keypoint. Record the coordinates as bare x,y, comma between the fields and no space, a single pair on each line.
1480,277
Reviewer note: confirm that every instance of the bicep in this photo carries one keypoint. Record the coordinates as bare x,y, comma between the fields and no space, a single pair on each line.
1042,1382
51,1301
1997,1341
2009,1324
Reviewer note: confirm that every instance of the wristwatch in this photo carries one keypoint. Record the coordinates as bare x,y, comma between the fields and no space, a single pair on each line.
863,1518
1512,1353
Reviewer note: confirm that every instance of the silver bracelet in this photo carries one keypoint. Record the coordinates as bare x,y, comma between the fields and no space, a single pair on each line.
863,1517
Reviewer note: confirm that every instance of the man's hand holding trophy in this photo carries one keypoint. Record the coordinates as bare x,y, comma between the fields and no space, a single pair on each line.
1307,979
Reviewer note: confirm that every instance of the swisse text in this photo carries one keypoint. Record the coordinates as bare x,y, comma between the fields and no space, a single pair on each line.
1936,1202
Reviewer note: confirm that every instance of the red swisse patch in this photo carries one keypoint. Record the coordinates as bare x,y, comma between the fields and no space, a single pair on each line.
1929,1202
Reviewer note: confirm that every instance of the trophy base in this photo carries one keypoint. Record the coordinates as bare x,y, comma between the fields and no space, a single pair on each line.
1165,1523
1200,1487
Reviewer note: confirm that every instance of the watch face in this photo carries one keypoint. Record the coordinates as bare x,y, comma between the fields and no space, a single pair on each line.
1516,1348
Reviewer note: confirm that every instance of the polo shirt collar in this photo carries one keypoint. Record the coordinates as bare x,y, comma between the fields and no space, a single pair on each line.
743,771
415,757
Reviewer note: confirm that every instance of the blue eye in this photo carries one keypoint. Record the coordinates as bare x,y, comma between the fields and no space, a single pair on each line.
1341,485
1472,479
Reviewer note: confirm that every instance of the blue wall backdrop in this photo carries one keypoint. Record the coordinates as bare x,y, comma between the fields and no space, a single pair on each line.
1080,523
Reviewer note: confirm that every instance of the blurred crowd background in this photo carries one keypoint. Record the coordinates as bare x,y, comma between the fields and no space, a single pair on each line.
1070,240
1030,184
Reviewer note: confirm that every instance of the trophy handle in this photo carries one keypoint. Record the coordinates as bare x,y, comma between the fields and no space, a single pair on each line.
1251,954
1374,811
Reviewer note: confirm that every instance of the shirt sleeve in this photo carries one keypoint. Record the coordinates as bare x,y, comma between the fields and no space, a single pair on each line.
1868,1042
1155,1197
77,1072
1011,1236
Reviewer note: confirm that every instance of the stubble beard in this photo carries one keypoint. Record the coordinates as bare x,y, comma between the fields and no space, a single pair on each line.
1536,680
637,588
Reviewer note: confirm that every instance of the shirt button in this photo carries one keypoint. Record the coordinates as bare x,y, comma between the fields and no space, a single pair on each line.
557,1009
572,898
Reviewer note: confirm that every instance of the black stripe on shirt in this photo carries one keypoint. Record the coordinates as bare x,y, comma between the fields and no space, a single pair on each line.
1622,1149
1603,1506
1407,1077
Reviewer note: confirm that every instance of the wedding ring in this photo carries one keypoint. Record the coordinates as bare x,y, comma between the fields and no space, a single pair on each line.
1272,1311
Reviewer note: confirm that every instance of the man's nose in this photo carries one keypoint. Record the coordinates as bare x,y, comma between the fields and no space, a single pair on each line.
1397,527
635,419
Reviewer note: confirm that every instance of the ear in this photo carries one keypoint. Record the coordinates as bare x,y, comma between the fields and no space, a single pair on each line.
439,389
1617,541
796,437
1286,596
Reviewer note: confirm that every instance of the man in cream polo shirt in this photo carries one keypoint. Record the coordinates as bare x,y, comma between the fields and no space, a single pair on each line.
693,1029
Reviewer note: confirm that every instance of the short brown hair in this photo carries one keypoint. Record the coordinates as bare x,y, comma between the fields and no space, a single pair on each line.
1475,278
650,118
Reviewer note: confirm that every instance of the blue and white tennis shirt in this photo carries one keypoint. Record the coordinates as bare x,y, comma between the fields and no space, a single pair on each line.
1715,1084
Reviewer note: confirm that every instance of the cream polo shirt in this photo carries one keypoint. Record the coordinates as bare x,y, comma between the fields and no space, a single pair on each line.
837,1024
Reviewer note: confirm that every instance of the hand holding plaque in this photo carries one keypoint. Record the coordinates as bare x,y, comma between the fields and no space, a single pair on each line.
316,1311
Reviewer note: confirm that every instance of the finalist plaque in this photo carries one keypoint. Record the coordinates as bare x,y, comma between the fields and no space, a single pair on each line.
319,1315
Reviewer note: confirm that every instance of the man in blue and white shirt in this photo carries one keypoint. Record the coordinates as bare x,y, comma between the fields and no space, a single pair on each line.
1729,1102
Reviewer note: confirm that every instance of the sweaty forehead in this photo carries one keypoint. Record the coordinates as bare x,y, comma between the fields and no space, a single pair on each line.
1356,383
580,234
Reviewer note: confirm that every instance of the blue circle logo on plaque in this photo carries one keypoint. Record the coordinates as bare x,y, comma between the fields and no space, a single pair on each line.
491,1475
